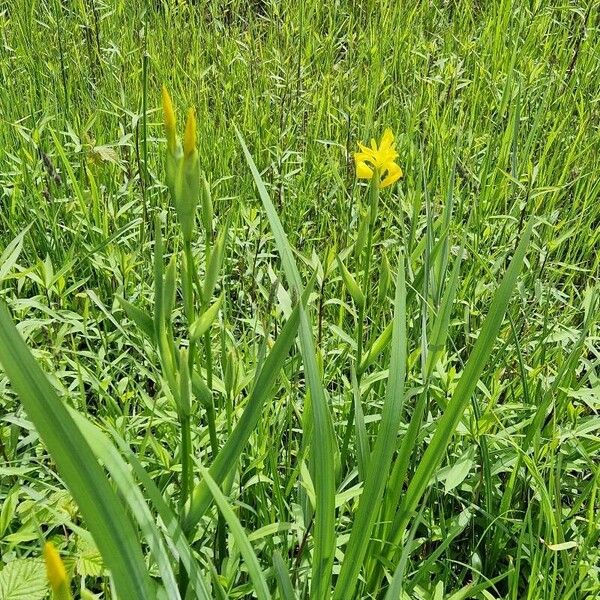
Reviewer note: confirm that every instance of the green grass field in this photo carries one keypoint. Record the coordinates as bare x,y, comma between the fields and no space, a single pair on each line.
232,369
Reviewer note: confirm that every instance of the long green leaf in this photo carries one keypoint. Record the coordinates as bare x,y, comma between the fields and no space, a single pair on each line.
382,342
282,575
462,394
138,316
384,448
230,452
436,346
239,535
440,329
120,472
323,435
101,508
176,539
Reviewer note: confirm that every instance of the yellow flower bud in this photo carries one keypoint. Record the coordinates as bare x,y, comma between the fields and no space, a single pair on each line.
189,137
182,167
169,119
57,574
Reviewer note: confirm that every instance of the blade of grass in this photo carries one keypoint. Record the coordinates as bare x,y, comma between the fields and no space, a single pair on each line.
323,447
437,344
230,452
239,535
178,544
396,588
382,342
120,472
286,590
385,444
462,394
440,328
363,449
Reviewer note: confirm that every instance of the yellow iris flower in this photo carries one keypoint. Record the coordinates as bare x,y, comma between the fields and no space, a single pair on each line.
379,158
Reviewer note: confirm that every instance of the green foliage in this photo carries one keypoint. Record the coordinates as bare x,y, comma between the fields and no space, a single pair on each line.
256,377
23,579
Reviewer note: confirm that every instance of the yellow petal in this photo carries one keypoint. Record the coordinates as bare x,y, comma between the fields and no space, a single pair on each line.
364,157
380,157
55,568
169,119
367,152
387,139
384,157
189,137
394,172
363,171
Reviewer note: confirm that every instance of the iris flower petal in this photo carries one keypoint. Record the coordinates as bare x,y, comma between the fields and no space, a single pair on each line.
364,156
363,171
394,172
387,139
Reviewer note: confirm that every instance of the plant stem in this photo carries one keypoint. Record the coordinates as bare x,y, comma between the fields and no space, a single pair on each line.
366,265
186,459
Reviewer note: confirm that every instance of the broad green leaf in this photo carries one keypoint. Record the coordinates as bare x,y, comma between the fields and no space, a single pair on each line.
139,317
351,285
563,546
9,256
214,266
205,320
23,579
459,470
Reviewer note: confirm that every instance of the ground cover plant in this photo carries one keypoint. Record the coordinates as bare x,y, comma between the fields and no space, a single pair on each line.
299,300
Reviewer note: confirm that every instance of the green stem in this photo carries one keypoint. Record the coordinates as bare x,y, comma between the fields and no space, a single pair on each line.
210,412
186,459
188,285
366,266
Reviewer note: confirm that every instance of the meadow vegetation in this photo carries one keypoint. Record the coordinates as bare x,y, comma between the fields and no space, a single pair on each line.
239,361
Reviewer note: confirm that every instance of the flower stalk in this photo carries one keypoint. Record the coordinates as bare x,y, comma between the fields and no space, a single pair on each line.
190,369
377,164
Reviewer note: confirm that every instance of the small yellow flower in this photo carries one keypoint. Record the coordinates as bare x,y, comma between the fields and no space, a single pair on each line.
189,136
57,574
169,118
379,159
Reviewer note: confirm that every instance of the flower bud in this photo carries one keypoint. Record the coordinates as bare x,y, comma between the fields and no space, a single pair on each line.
57,574
189,137
169,119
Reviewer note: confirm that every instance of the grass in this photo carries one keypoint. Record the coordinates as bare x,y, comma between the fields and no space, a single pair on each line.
333,391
